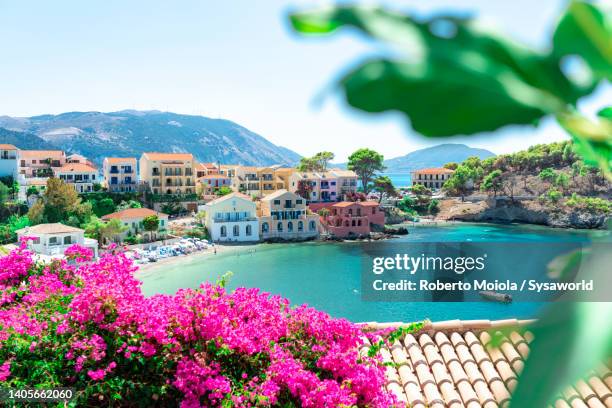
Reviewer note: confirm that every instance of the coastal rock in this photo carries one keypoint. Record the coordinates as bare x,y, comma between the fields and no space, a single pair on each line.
530,212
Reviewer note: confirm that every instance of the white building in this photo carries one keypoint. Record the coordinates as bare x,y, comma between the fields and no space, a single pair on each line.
9,161
232,218
81,176
54,239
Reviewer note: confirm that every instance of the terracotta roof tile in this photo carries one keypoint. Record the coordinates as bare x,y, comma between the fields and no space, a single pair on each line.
435,170
76,167
7,147
453,364
132,213
168,156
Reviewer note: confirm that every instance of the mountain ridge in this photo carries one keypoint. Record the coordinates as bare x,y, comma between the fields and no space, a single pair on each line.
129,132
434,156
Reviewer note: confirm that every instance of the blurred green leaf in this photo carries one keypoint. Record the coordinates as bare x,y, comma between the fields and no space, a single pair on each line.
592,139
452,77
570,338
586,30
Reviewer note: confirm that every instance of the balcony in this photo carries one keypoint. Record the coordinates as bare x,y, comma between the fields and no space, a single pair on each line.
232,219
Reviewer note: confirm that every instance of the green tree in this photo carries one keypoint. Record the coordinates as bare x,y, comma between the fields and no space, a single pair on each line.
457,184
4,193
200,217
124,205
32,190
547,174
366,163
150,224
103,207
60,203
451,166
103,231
318,162
384,186
492,182
223,191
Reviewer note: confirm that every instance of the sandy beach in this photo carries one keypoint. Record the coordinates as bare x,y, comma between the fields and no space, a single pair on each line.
177,260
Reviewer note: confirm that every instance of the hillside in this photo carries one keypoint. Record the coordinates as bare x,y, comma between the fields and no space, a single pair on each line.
546,184
23,140
435,156
129,133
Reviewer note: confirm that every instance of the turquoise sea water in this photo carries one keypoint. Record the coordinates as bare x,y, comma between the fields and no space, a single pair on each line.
399,179
328,275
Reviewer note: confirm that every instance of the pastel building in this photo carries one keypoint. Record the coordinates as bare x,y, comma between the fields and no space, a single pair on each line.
54,239
232,218
9,161
206,169
332,185
168,173
40,163
347,218
120,174
260,181
284,215
81,176
133,220
431,178
211,183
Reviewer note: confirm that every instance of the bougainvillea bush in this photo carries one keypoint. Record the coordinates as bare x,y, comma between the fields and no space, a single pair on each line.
87,325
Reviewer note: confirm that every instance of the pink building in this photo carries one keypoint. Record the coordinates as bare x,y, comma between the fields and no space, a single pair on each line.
348,218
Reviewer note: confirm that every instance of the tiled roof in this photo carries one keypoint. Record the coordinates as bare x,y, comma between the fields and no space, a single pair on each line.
55,228
41,153
276,194
343,204
228,196
435,170
343,173
76,168
7,147
120,159
168,156
452,364
133,213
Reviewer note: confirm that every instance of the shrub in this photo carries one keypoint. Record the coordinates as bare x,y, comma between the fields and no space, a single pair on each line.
591,204
554,195
88,326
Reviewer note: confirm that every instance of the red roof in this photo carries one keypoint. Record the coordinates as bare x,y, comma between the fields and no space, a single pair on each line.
76,167
434,170
132,213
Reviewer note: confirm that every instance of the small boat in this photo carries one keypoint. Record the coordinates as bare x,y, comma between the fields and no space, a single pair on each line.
495,296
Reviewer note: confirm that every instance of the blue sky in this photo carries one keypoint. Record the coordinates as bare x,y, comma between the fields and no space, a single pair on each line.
229,59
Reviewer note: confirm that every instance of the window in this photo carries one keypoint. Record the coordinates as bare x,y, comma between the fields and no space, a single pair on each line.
223,231
265,227
276,202
53,241
279,227
287,203
236,230
249,230
289,226
313,225
300,226
298,202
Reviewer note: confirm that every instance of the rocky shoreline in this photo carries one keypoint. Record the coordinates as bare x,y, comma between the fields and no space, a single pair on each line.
528,212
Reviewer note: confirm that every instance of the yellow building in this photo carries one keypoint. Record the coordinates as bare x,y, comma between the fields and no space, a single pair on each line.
284,215
260,181
168,173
